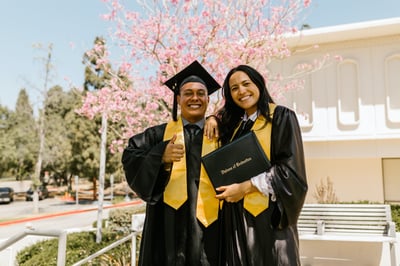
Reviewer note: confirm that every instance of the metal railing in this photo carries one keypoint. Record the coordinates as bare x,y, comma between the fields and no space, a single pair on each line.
62,241
136,228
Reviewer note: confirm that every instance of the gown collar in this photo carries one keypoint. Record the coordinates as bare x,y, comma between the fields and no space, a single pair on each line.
252,117
199,123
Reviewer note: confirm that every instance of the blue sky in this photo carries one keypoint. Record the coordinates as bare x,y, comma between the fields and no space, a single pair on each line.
72,25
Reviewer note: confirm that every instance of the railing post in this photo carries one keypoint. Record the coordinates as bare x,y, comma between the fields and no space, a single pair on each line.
137,228
62,248
133,252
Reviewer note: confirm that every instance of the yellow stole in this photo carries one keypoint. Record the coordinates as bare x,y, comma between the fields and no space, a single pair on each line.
256,202
175,193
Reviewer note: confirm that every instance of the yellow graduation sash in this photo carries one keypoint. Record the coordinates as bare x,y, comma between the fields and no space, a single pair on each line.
256,202
175,193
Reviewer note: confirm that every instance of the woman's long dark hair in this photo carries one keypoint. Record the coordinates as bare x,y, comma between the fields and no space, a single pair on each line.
231,114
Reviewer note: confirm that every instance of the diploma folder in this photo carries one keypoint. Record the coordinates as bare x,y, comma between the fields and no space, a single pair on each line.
236,162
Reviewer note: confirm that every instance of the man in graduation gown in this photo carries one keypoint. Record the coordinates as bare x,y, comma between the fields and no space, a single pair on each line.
163,166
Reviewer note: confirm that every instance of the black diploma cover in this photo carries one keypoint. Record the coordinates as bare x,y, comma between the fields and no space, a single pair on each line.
236,162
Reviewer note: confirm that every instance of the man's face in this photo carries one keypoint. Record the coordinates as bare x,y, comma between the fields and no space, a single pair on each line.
193,99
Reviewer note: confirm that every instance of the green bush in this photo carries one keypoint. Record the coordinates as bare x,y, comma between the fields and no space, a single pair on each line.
79,246
396,216
120,220
83,244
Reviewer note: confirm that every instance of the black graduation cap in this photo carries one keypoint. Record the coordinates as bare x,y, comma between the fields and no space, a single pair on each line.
194,72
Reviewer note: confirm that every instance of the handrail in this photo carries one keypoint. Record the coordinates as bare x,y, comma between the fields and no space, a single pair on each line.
111,246
136,228
62,241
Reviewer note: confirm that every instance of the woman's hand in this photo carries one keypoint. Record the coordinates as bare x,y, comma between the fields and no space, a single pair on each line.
211,127
235,192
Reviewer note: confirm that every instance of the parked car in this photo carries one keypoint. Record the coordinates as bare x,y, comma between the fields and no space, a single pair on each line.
42,190
6,194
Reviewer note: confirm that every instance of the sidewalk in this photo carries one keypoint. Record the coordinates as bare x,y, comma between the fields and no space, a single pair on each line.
69,208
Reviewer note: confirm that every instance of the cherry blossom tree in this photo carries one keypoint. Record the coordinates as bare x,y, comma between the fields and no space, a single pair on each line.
160,37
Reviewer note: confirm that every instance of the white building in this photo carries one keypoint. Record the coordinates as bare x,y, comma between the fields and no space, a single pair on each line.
351,130
351,126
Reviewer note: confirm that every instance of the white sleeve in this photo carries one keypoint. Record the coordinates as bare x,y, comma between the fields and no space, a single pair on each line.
263,183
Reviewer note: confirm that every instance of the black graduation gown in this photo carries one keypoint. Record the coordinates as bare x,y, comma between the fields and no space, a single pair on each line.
271,238
170,237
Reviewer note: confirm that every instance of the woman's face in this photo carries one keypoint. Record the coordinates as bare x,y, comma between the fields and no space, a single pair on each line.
244,92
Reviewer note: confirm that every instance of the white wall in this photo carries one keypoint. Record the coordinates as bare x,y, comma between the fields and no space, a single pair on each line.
352,108
352,179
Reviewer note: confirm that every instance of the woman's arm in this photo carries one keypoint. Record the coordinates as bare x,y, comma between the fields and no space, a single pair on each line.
211,129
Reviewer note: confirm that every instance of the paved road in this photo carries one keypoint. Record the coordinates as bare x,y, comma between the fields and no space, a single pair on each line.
17,217
19,214
23,209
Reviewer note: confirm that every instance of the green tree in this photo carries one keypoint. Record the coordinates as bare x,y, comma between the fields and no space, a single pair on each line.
85,141
23,138
96,73
72,141
57,150
5,136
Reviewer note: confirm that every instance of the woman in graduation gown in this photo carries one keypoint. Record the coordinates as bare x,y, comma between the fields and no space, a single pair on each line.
259,216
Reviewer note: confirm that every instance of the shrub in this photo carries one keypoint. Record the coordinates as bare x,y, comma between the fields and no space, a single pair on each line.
79,246
396,216
120,219
83,244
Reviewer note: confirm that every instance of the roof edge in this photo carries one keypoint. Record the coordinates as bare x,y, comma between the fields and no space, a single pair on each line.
345,32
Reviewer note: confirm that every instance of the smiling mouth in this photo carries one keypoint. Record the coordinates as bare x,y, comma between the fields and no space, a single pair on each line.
244,98
194,106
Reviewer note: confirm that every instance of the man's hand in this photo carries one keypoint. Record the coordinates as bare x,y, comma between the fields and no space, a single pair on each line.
173,152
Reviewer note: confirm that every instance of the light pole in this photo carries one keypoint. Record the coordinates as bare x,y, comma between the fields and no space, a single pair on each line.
100,199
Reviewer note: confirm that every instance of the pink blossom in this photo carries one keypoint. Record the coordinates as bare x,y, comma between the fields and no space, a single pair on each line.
306,3
164,37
